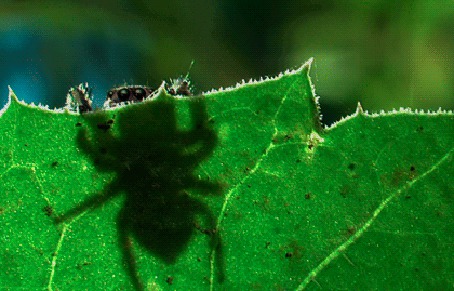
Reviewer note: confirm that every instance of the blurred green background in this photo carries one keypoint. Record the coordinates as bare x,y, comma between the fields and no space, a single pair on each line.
386,54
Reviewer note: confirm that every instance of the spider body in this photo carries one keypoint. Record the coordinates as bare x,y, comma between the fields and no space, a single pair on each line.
80,98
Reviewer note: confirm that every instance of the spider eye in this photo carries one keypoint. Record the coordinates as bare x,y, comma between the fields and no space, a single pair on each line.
139,93
110,93
123,94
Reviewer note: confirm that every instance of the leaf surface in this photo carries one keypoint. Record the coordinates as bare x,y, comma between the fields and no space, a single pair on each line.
238,189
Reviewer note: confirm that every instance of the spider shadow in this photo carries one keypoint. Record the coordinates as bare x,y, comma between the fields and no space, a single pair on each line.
154,163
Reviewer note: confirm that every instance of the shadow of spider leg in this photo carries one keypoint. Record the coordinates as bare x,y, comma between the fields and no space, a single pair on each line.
154,164
109,192
95,201
126,245
215,239
162,227
202,139
206,137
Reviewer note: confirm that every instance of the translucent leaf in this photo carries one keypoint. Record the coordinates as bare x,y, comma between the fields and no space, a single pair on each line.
236,189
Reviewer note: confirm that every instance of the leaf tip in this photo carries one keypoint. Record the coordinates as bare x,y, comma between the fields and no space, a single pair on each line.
359,109
161,94
306,67
12,95
308,63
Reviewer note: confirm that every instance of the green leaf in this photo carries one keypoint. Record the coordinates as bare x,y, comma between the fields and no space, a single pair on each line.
237,189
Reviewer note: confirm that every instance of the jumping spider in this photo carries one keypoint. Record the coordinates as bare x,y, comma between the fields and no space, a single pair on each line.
154,163
79,98
136,93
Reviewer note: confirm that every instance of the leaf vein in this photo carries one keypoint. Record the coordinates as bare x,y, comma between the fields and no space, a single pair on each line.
54,257
241,182
334,254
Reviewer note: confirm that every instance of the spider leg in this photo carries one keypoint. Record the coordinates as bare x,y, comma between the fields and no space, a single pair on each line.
207,187
215,241
83,142
216,245
91,203
126,245
198,111
93,146
202,133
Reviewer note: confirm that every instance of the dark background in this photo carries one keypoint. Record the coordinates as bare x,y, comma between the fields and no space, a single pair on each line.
384,54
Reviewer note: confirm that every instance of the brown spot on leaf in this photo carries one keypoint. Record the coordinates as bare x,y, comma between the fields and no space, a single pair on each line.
397,177
169,280
48,210
84,264
351,230
344,191
296,251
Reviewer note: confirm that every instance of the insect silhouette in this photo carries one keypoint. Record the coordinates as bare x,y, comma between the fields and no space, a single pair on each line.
154,163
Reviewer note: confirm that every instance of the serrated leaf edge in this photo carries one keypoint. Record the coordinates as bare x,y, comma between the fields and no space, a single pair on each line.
3,110
251,81
12,97
401,110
